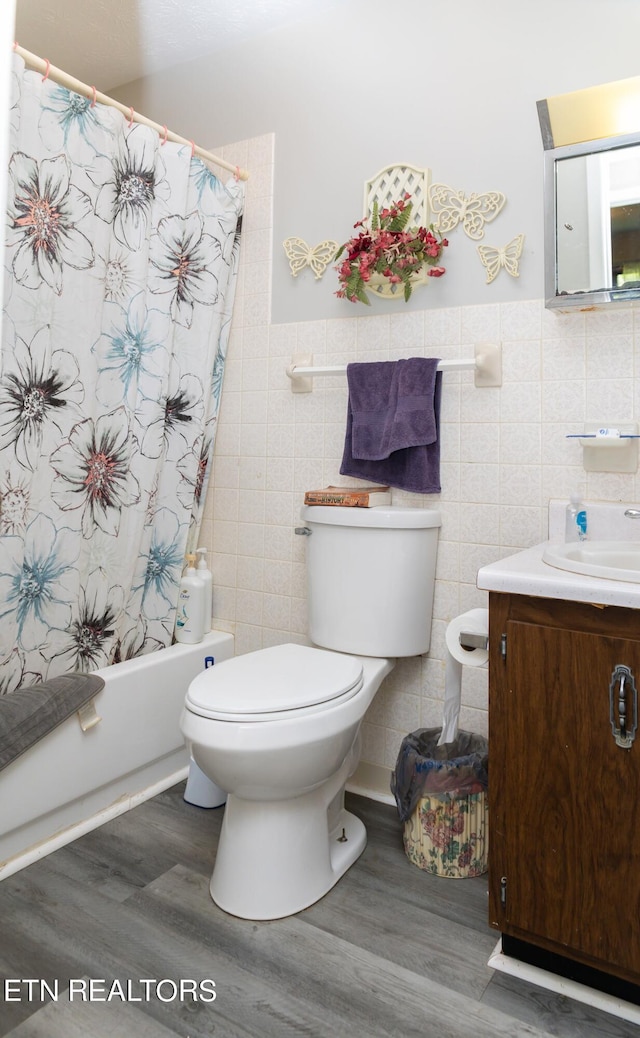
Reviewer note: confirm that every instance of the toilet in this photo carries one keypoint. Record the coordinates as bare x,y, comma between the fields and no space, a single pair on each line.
278,728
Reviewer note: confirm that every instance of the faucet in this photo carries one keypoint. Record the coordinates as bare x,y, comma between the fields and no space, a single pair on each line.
632,513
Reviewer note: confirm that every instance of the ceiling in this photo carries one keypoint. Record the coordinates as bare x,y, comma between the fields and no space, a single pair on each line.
111,42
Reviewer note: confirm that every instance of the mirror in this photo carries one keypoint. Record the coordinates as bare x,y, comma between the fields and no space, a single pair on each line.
592,222
591,139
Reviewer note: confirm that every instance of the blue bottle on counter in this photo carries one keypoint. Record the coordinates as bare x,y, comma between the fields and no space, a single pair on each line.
575,521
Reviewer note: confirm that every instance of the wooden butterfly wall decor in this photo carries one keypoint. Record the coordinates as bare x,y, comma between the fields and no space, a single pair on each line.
494,260
472,211
301,255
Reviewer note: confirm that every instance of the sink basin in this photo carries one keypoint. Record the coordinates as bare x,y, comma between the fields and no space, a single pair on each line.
613,560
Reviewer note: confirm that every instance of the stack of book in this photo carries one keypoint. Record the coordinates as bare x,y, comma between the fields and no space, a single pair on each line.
349,497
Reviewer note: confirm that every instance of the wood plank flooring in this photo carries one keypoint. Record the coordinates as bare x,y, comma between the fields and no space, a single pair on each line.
390,951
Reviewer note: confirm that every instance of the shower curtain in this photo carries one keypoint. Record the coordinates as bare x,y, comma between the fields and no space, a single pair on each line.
120,269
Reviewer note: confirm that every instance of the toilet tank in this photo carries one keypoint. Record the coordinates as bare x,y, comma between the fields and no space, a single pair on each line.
370,578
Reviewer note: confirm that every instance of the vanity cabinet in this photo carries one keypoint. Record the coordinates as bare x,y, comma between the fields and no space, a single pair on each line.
564,857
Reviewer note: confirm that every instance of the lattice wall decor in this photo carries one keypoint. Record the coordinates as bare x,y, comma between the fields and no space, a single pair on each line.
390,184
387,187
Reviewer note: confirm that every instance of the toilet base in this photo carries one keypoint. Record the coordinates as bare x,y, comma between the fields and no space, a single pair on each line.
276,858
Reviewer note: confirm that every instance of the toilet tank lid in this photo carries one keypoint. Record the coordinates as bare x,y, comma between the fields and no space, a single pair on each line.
268,681
381,516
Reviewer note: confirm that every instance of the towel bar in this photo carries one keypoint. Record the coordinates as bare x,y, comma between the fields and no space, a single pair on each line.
486,363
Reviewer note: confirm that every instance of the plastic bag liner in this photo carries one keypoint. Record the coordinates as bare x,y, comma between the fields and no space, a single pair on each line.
423,768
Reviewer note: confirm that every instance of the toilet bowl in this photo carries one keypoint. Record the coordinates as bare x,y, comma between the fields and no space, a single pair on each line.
279,729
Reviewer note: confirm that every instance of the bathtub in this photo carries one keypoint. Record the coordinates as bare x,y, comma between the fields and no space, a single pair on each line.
72,781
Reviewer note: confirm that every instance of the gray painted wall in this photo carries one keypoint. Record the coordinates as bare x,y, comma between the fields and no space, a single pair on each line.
369,83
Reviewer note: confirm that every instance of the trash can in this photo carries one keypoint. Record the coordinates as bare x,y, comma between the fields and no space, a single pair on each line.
441,794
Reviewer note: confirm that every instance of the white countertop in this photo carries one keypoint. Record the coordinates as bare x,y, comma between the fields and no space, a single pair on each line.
526,574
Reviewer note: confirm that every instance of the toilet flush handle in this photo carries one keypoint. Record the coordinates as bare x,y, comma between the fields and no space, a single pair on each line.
302,531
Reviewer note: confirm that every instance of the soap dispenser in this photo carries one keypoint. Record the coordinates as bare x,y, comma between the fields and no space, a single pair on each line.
189,626
576,520
205,575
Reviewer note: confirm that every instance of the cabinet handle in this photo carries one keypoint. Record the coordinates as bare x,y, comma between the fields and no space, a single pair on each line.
623,706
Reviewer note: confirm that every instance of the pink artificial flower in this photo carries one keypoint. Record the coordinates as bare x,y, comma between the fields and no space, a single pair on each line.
397,255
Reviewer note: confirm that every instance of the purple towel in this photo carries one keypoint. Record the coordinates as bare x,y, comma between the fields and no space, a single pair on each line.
392,424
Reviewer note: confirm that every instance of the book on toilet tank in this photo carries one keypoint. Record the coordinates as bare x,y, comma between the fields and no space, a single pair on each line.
349,497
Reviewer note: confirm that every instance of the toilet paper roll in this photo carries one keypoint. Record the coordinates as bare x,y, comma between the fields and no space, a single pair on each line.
475,621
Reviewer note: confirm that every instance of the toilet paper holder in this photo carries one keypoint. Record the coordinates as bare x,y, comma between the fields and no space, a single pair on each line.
469,640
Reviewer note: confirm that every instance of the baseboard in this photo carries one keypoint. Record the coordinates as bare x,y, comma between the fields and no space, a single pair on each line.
563,986
371,780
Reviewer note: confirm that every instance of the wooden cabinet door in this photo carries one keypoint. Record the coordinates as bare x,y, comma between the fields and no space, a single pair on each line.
568,826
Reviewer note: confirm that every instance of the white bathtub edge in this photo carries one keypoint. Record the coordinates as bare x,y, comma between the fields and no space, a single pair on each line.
73,832
71,780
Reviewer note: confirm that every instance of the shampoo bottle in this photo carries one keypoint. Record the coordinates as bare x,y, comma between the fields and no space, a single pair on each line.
205,575
191,606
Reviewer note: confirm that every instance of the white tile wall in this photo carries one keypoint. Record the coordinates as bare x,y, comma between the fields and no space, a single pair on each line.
504,452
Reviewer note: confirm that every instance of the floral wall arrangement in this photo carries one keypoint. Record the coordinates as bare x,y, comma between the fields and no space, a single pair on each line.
389,256
388,253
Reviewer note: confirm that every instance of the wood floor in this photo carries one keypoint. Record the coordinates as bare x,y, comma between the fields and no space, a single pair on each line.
390,951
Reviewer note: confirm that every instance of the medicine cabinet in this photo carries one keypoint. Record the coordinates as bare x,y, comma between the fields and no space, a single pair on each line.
592,223
591,139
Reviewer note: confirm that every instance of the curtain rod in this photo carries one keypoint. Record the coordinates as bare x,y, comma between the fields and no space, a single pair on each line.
51,72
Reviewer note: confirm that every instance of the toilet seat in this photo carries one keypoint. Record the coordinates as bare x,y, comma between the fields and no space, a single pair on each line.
275,683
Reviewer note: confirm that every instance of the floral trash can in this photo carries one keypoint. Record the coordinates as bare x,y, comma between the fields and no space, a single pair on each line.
441,794
448,835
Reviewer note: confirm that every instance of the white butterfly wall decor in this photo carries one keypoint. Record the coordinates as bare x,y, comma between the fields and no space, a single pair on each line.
472,211
301,255
495,259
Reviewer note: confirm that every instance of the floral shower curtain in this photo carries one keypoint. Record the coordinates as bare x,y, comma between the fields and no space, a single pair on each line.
120,270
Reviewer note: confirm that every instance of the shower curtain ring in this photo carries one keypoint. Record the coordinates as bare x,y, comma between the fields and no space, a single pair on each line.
193,148
131,113
93,102
164,139
46,75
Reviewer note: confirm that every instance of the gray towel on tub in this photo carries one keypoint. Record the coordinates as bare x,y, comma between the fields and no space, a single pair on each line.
28,714
393,424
